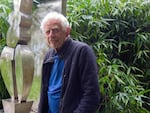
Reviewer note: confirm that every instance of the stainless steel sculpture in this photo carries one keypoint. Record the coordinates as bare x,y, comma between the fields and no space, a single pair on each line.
17,60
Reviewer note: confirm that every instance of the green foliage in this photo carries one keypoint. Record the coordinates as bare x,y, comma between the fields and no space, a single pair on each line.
118,31
35,89
5,9
3,91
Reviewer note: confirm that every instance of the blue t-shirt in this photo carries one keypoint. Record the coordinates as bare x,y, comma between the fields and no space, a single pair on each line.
55,83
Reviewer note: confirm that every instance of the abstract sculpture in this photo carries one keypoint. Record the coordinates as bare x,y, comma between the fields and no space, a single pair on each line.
17,60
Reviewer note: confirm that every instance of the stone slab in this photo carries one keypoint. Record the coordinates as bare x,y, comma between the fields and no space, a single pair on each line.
16,107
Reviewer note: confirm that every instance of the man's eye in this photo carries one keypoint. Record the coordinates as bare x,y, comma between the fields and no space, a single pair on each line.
47,32
52,31
55,30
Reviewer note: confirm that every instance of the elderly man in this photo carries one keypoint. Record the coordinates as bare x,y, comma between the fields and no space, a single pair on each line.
69,75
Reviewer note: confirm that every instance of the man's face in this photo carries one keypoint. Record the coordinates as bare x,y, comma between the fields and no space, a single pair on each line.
55,34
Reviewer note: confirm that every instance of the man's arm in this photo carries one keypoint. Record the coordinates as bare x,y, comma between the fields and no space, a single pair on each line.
90,100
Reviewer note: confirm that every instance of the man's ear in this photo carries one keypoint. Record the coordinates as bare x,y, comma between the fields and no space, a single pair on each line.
68,30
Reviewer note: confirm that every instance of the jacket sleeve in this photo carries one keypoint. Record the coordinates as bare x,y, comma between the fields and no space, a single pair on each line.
88,72
43,101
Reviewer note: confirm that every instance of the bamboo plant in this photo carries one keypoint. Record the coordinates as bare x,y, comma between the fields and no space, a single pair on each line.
118,31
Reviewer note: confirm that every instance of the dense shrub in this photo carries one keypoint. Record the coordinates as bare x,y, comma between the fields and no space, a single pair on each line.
118,31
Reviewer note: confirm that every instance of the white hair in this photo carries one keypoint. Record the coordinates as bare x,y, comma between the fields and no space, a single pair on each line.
55,15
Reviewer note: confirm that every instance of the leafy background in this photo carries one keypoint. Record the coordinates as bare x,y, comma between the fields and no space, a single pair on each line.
118,31
5,9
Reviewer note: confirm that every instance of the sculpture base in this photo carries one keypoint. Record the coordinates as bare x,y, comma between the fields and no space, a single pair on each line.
10,106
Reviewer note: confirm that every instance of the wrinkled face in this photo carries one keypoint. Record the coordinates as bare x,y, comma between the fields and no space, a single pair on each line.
55,34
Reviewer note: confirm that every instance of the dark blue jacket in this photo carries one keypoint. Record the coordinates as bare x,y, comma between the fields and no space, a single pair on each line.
80,89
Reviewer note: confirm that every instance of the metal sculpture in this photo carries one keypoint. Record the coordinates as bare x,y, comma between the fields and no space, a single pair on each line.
17,60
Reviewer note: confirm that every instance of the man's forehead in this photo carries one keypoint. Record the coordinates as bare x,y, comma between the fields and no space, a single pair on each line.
55,27
52,26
